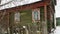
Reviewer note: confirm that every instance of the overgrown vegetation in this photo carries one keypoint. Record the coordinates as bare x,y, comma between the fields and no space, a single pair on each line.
58,21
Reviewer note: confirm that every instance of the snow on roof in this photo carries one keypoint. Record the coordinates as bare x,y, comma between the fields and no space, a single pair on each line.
17,3
4,1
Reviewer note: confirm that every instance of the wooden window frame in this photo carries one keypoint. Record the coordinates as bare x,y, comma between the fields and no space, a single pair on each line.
38,17
17,14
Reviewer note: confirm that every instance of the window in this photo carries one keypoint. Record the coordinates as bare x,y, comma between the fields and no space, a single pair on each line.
17,17
36,14
36,20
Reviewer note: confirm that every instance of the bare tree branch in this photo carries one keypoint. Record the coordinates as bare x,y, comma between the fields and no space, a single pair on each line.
10,2
6,3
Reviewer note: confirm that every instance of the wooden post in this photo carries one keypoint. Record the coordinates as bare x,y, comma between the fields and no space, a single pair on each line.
11,22
45,10
8,29
45,20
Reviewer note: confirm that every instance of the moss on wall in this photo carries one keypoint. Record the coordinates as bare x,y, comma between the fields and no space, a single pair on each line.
58,21
26,17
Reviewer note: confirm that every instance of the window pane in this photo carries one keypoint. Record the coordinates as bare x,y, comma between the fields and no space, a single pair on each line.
17,16
36,15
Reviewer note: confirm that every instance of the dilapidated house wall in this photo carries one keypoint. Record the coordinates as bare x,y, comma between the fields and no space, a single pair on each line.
31,18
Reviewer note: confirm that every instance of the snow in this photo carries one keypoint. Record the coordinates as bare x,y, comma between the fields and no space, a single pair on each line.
5,1
57,31
16,3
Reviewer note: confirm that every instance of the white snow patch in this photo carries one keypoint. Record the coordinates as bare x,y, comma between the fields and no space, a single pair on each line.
17,3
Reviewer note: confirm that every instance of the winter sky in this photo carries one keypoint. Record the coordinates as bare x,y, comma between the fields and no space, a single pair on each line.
58,8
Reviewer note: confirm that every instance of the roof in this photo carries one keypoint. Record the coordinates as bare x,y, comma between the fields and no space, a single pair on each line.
16,3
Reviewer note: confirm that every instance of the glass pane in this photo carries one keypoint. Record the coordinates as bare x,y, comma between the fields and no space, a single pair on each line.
17,16
36,15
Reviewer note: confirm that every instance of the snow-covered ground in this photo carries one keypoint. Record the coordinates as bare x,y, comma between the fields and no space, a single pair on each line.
57,31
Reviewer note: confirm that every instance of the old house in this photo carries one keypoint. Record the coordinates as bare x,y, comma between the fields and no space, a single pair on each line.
27,16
